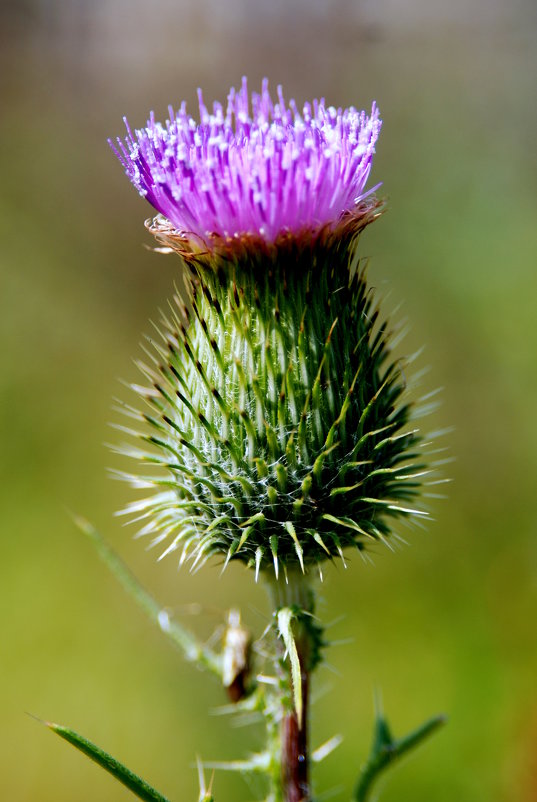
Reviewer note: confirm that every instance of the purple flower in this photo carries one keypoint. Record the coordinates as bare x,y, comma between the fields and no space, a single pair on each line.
254,168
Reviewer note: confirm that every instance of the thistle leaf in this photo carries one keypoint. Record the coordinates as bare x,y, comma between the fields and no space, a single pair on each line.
136,784
386,750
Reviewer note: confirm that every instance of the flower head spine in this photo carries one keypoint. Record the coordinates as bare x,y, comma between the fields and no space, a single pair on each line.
259,167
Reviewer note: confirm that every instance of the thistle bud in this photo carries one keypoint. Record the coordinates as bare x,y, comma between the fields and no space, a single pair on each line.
277,418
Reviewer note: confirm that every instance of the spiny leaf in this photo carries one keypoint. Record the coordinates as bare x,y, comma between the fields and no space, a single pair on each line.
136,784
386,750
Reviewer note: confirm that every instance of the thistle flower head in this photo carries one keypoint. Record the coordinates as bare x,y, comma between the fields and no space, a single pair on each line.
277,428
256,167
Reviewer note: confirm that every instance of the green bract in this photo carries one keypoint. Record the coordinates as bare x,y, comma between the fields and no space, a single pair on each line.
278,417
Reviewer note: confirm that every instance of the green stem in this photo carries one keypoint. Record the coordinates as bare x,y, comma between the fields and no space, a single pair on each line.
292,602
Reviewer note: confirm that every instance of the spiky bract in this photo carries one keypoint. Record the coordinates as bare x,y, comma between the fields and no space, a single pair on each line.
278,413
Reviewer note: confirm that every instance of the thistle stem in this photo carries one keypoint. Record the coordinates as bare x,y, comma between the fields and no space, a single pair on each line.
299,642
294,746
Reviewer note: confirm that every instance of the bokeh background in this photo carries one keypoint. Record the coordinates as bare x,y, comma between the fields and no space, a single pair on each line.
445,624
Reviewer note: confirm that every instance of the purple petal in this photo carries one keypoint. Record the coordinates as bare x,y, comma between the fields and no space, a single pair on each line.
257,167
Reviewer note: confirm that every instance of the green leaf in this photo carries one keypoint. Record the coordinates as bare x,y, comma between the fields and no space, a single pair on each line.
139,787
386,750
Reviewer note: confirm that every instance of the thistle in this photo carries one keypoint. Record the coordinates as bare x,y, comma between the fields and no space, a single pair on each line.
276,414
276,427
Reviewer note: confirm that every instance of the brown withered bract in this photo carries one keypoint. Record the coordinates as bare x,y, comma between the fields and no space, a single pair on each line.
236,657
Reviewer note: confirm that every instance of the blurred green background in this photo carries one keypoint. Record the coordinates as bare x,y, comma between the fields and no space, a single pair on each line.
446,624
